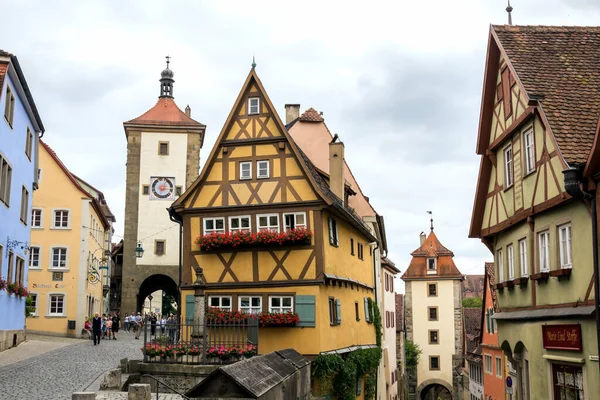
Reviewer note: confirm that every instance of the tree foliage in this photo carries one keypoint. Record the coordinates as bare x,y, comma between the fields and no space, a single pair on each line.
472,302
167,304
413,354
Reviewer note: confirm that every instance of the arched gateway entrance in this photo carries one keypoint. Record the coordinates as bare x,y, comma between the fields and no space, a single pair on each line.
153,283
434,389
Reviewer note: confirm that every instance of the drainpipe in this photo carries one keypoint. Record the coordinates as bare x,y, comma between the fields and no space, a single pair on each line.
177,219
573,186
375,290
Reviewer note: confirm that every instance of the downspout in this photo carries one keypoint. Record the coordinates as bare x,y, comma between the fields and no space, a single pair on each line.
375,290
177,219
573,186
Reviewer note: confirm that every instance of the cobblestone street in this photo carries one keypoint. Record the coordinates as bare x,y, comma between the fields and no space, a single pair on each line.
62,366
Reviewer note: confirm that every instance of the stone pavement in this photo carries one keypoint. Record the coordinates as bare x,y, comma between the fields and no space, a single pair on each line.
61,366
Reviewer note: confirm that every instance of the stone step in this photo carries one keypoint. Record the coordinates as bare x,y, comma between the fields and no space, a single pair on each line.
123,396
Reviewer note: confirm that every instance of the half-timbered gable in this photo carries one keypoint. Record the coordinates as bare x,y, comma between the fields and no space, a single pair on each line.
539,117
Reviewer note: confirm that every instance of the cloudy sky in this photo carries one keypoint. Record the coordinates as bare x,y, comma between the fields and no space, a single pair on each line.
399,81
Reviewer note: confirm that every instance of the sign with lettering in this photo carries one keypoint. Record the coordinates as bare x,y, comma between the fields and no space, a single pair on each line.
562,337
46,286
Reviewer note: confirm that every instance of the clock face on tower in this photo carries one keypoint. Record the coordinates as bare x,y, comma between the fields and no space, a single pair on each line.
162,188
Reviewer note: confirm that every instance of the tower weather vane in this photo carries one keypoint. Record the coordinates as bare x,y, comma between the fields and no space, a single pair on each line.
509,10
431,220
168,61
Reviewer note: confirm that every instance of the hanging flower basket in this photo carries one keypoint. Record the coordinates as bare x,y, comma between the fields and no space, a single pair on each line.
2,284
215,241
17,289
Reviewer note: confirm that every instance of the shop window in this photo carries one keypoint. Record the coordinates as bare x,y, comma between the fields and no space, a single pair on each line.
567,381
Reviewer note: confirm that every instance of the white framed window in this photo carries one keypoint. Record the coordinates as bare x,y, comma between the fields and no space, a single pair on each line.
487,364
544,243
262,169
564,235
250,304
500,263
524,265
529,144
239,224
245,170
56,304
431,266
281,304
253,105
5,180
214,225
34,304
508,166
37,219
34,257
268,222
60,219
294,220
333,232
222,302
499,367
511,262
58,257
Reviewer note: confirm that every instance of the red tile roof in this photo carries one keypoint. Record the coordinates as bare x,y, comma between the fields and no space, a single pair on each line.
559,63
431,247
164,112
472,286
399,312
311,115
3,70
472,319
489,271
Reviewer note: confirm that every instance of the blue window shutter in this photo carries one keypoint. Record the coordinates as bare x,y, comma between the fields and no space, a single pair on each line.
305,308
189,309
338,311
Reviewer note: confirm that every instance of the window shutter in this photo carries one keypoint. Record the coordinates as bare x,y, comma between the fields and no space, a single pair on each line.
330,224
189,309
367,313
338,311
305,307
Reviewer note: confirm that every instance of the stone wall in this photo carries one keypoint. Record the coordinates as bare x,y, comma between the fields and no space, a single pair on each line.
457,359
10,338
181,377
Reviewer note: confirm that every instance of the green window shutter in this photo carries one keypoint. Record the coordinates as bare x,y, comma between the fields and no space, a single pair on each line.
338,311
305,308
189,309
488,321
367,313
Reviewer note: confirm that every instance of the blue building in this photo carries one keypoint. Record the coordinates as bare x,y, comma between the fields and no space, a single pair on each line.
20,130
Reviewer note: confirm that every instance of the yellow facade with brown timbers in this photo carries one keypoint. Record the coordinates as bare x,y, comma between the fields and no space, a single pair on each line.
256,179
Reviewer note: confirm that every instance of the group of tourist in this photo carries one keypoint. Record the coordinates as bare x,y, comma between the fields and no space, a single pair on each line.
107,326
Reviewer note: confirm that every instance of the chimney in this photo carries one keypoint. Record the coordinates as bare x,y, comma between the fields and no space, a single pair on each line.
292,111
422,237
336,168
188,111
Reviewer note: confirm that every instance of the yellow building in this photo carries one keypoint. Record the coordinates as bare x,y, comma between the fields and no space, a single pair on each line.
70,233
256,180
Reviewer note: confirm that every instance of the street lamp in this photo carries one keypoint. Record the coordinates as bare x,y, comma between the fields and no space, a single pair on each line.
139,251
150,298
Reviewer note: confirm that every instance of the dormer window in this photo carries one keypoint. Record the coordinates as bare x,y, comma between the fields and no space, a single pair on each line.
253,105
431,266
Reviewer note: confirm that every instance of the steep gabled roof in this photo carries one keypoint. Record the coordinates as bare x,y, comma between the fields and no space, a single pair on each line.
491,282
164,112
431,247
560,65
311,115
75,181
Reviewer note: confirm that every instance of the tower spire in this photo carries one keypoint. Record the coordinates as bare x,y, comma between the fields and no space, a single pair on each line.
431,220
509,10
253,62
166,81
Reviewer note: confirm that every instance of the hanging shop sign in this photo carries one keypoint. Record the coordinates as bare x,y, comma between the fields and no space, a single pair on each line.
562,337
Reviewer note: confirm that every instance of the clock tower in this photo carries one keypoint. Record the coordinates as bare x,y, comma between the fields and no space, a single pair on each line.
163,159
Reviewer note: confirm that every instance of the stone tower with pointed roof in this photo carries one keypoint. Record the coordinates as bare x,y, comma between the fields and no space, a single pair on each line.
163,159
433,318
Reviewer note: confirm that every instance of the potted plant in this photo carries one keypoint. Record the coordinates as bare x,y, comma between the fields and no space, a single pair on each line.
193,354
179,351
249,352
2,284
287,319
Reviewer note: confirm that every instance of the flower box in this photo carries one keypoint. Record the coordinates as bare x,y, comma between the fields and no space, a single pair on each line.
561,273
17,289
522,281
509,284
500,286
229,240
540,276
287,319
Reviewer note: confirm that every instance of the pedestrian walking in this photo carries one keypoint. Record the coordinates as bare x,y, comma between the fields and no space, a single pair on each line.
171,328
104,327
163,323
153,324
138,325
109,327
97,328
116,322
126,323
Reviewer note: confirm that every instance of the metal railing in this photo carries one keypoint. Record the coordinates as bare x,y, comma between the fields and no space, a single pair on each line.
210,343
159,382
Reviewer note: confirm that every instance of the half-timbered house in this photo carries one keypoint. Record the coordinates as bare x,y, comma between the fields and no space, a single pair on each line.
539,114
272,234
